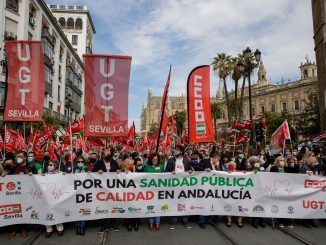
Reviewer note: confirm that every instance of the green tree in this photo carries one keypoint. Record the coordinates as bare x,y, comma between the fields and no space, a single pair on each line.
222,68
216,111
180,118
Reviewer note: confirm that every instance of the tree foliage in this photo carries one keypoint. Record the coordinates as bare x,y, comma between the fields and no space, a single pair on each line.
180,118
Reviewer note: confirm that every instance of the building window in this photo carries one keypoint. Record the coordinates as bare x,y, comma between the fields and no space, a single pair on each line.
74,39
305,73
296,105
47,48
50,105
283,106
12,5
262,109
273,108
48,75
59,98
79,24
2,94
62,22
70,23
313,72
253,111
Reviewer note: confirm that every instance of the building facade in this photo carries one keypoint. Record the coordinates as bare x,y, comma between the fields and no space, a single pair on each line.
63,67
319,27
266,97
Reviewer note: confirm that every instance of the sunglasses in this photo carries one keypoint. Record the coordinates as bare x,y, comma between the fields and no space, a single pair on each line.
81,161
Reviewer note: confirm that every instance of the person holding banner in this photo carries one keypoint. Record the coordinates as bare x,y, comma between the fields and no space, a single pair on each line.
154,166
52,168
10,169
35,167
179,164
65,164
81,167
46,160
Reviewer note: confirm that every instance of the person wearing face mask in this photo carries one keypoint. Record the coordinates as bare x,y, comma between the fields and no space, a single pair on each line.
46,159
92,161
194,161
292,166
81,166
154,166
240,161
107,164
52,168
34,167
279,165
21,167
10,169
179,164
66,165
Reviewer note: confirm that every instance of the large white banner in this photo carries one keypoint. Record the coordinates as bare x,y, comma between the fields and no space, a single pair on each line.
58,198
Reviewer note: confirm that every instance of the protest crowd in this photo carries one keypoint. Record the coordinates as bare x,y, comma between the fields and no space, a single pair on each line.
115,158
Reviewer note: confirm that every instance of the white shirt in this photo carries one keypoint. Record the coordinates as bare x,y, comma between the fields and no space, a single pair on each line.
179,168
107,166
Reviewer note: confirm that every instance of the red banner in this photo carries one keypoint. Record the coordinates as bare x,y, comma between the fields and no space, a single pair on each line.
26,82
200,126
279,136
76,126
107,86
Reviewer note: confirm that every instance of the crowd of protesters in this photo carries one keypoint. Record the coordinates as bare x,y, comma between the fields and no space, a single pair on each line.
306,160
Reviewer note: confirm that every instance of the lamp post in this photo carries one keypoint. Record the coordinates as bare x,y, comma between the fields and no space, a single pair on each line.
247,68
68,105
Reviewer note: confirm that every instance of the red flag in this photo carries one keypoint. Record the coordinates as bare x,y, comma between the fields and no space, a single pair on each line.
76,126
1,143
279,136
245,125
107,86
200,123
19,143
10,139
165,123
41,139
165,94
52,147
145,142
131,135
26,84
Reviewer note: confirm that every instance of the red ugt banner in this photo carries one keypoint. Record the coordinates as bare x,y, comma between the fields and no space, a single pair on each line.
199,107
106,97
26,82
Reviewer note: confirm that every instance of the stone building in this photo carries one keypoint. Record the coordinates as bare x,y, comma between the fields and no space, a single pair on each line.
319,27
266,96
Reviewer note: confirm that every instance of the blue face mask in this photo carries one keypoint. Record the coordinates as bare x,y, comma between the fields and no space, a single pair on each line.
30,159
194,162
80,164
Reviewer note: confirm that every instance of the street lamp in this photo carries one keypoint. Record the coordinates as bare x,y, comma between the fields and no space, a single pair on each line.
68,105
248,66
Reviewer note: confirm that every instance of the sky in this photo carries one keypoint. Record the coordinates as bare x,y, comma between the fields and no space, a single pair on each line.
189,33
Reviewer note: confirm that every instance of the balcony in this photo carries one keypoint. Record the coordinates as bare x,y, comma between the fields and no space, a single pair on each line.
70,65
48,61
75,106
10,36
46,34
89,50
73,86
56,115
12,5
48,88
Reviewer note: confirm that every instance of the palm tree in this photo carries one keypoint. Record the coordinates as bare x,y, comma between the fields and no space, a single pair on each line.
222,67
241,58
216,111
236,75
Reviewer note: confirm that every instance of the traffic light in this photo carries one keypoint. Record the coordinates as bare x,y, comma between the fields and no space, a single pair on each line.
259,132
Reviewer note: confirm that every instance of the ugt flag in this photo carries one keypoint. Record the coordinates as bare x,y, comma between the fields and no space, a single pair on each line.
26,83
279,136
106,96
199,107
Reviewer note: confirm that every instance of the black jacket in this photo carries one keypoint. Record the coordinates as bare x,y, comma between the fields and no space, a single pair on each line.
170,166
100,165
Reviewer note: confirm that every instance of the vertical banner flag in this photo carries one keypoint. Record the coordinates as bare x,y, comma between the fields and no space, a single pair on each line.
26,83
165,94
279,136
200,126
106,97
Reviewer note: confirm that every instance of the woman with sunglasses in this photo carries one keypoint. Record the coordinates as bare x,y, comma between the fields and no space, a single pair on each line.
81,166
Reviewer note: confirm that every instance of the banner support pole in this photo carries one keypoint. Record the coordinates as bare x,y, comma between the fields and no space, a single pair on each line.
5,140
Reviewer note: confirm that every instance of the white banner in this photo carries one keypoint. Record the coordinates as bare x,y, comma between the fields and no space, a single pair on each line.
58,198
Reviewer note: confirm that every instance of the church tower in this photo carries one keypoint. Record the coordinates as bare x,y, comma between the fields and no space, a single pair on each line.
261,73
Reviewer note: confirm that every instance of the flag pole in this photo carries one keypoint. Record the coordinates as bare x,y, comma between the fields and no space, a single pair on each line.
24,132
162,112
72,165
234,143
5,140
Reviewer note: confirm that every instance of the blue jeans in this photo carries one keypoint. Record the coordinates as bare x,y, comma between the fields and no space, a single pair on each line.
202,219
184,219
80,223
156,219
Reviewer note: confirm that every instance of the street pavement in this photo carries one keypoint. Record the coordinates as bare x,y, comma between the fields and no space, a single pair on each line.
212,235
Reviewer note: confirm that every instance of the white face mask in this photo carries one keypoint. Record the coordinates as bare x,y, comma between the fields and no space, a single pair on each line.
257,165
19,160
292,164
241,155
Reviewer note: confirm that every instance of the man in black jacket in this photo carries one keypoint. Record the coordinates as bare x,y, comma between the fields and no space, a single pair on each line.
107,164
179,164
